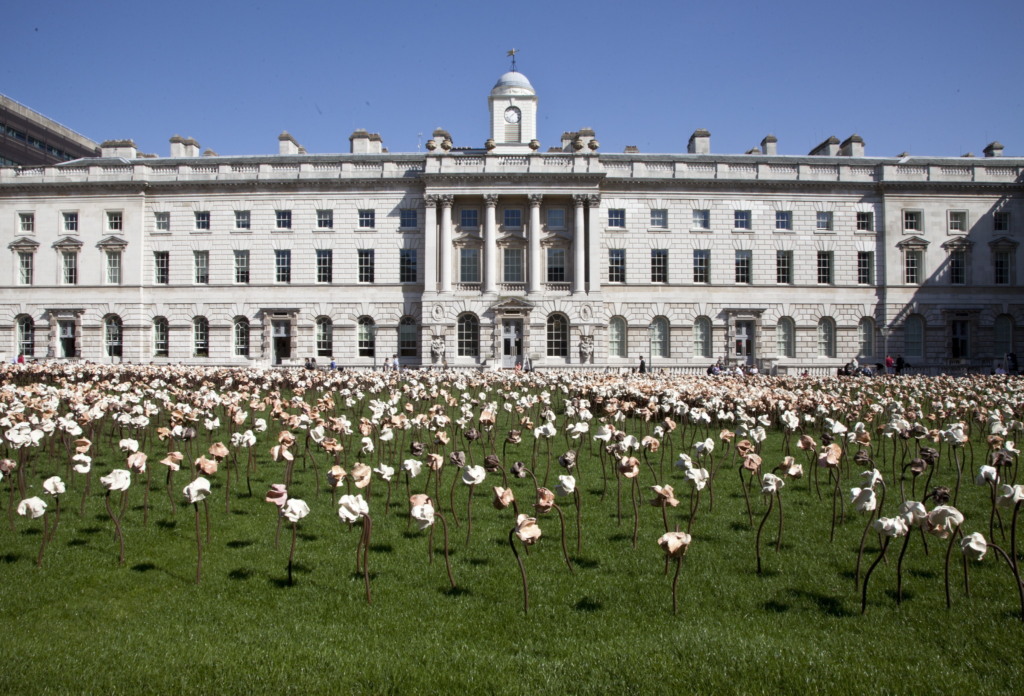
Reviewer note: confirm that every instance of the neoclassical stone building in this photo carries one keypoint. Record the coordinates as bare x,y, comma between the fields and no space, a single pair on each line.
488,256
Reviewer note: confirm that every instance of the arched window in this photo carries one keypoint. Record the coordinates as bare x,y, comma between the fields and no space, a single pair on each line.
558,336
201,337
367,337
242,337
408,338
913,337
1003,330
469,336
826,338
324,337
617,338
866,338
112,336
658,335
26,336
785,338
702,338
161,337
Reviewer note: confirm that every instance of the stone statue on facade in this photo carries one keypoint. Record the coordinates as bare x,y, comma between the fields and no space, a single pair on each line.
437,349
586,348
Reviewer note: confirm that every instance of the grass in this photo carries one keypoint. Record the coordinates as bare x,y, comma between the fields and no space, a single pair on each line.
82,624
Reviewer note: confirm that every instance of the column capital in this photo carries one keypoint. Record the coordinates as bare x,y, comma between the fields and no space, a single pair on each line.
491,200
535,199
446,199
594,199
580,199
431,200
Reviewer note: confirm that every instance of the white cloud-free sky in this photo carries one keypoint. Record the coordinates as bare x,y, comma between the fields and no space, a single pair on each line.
929,77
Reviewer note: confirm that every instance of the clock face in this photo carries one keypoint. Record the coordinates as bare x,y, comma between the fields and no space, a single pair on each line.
512,114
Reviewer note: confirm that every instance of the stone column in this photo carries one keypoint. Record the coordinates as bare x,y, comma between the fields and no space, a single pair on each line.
430,244
445,243
594,243
490,243
533,274
579,244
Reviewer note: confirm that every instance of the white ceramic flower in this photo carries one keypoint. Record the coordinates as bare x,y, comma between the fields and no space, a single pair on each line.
197,490
384,471
770,483
83,463
413,466
1010,495
129,445
54,486
698,477
891,526
32,507
423,514
974,546
871,477
566,485
943,520
863,499
295,509
913,512
117,480
473,475
352,507
986,475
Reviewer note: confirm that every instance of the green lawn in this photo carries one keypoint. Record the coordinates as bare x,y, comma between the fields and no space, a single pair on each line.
82,624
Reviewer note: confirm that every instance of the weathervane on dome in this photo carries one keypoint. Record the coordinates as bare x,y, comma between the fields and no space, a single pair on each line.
512,54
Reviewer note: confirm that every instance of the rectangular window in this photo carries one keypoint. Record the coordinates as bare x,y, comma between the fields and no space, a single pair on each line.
825,267
912,266
617,217
113,268
514,266
744,260
469,217
283,219
160,339
659,218
325,219
1001,221
556,265
407,269
865,268
701,265
162,221
513,218
957,267
242,266
784,220
366,265
823,221
70,222
659,265
161,267
701,219
114,221
69,267
556,218
408,219
25,267
913,221
201,264
616,265
283,265
28,221
741,220
957,221
783,267
202,220
866,222
367,219
243,220
324,266
469,265
1001,267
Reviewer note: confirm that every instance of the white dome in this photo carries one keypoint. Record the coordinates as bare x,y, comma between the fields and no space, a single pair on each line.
512,83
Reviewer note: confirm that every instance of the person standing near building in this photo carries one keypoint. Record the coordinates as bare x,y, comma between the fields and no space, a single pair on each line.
643,366
890,364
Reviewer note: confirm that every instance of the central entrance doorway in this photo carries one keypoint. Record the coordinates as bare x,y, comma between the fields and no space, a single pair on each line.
282,340
67,338
511,342
745,342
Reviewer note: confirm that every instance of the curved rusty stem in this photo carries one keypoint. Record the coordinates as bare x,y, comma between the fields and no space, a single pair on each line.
867,576
565,551
757,541
447,561
522,570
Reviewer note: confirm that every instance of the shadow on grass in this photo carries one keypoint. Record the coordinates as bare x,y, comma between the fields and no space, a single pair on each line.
620,537
306,536
923,574
588,563
740,527
238,511
31,531
776,607
826,604
476,561
143,567
240,574
456,591
10,557
240,543
77,542
588,604
907,594
167,524
90,530
382,548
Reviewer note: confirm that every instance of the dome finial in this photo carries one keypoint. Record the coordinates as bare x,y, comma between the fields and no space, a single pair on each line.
512,54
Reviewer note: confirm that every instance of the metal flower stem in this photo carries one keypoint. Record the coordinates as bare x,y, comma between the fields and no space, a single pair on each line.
565,551
206,511
291,553
42,545
694,505
746,497
447,560
636,509
469,513
836,495
1016,576
199,545
367,530
757,541
949,550
451,497
522,570
778,542
145,498
860,551
579,521
867,576
675,581
170,482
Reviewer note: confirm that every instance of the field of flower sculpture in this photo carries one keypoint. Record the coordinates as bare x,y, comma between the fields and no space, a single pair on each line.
599,532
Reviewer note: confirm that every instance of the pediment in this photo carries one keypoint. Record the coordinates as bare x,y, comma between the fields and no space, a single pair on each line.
958,244
512,305
112,242
912,242
23,244
1004,243
68,244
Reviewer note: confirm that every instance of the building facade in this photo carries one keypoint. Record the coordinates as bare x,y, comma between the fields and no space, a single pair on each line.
504,254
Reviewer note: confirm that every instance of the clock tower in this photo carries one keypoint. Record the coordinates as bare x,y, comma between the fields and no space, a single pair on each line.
513,105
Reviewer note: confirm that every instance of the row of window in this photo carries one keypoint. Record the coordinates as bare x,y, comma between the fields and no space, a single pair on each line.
365,219
12,132
365,264
557,334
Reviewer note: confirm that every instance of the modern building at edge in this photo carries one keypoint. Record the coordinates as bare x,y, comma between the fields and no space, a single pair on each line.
494,255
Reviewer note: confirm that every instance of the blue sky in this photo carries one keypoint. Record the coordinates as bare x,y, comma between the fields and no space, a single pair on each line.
929,77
